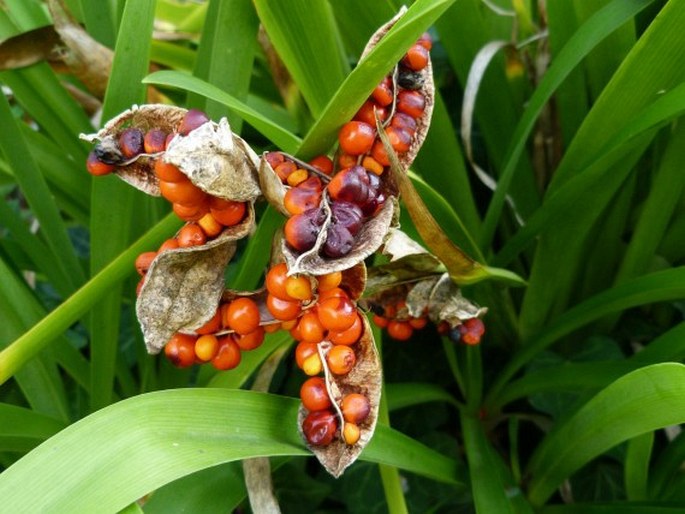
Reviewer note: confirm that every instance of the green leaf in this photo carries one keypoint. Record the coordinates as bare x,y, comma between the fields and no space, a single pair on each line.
26,347
652,67
655,287
121,453
41,201
286,141
614,508
305,36
644,400
111,228
407,394
637,466
583,41
22,429
226,55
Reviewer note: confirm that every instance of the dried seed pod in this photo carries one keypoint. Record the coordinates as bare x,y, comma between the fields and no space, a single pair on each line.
363,379
183,286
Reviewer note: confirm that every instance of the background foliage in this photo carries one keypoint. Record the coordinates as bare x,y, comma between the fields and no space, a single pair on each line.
574,401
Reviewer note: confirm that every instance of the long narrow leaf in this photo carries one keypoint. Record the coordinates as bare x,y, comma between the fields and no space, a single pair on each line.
141,444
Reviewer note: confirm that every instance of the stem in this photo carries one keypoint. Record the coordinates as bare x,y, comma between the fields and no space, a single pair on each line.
308,167
46,331
474,377
451,355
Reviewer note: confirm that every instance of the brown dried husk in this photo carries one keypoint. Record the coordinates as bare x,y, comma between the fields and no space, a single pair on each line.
446,303
409,262
365,378
211,156
183,287
427,90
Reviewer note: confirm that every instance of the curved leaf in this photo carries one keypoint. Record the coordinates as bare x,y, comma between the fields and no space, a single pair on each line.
121,453
644,400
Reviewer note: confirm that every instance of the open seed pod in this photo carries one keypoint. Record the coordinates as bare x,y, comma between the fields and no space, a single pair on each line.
182,287
424,85
365,378
211,156
138,172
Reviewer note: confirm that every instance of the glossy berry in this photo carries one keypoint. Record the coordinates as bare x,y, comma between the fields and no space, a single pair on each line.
347,215
180,350
411,102
303,351
368,112
339,242
312,365
276,279
206,347
356,137
351,434
297,177
350,185
355,408
404,121
379,154
282,310
380,321
400,330
169,172
247,342
212,325
192,120
241,316
274,158
382,94
328,281
341,359
154,141
298,287
143,262
301,230
131,142
314,395
349,336
300,199
322,163
190,212
191,235
284,170
336,314
471,331
320,427
334,292
346,160
228,354
418,323
184,193
169,244
227,212
372,165
416,57
399,139
96,167
310,328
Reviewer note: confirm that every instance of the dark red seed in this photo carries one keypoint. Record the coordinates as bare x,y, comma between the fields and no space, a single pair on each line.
347,215
319,427
339,242
155,141
192,120
131,142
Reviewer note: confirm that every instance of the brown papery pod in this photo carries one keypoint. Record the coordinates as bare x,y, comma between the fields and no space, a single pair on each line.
365,378
446,303
211,156
409,262
182,287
